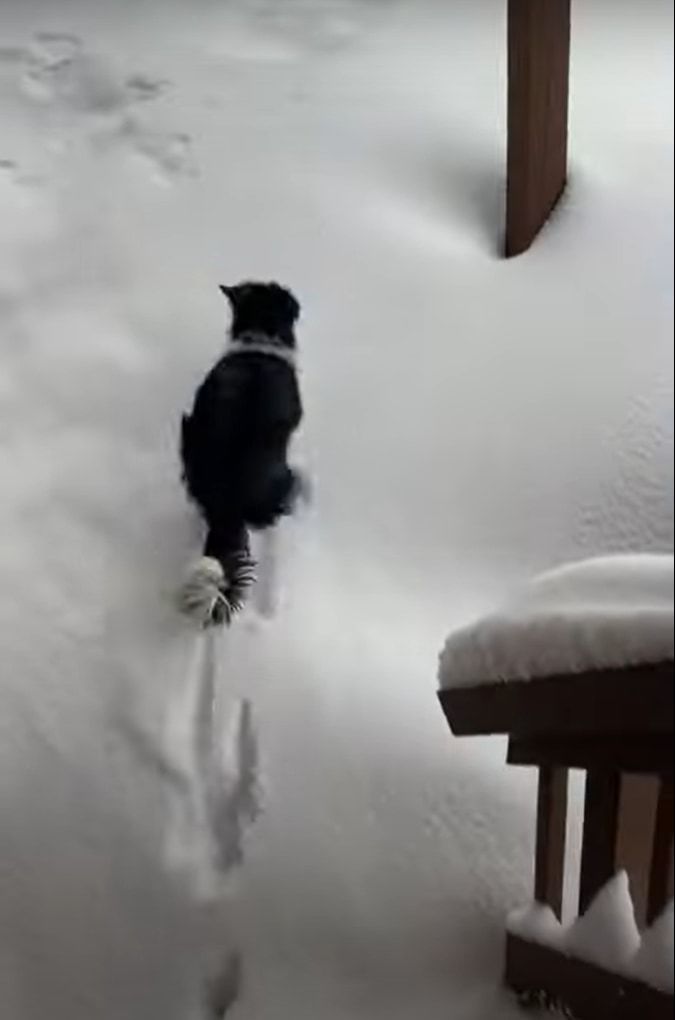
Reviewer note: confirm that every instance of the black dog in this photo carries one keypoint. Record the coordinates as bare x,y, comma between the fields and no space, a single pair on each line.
234,446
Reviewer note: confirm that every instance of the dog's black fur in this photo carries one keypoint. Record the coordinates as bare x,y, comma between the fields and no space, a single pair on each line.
234,444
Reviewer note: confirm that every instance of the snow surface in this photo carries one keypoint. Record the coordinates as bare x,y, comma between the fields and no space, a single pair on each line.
470,422
602,612
654,961
607,934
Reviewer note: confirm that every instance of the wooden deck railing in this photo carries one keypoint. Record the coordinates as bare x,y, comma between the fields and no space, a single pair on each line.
617,725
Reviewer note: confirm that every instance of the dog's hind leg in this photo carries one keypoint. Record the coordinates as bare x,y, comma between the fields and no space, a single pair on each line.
217,586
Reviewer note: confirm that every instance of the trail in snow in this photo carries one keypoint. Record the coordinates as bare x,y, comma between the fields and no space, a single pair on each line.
472,421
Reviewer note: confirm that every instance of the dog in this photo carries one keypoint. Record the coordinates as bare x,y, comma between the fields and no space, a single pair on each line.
234,447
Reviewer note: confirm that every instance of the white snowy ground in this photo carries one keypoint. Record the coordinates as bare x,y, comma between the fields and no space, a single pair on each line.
469,422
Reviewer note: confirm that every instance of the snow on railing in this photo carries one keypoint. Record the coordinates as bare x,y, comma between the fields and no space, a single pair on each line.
602,613
653,964
606,935
537,923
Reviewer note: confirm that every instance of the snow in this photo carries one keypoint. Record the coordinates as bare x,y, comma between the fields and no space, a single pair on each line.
607,934
470,423
537,923
654,961
598,613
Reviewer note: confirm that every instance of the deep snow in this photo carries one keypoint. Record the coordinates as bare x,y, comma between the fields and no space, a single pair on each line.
469,423
600,613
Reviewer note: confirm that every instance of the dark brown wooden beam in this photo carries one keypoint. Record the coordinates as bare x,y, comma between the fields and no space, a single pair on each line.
651,755
588,992
636,700
538,90
551,834
601,826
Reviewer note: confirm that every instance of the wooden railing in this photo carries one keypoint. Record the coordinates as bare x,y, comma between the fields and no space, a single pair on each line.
616,725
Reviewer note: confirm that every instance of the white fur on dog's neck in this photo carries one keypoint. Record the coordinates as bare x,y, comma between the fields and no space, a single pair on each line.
261,343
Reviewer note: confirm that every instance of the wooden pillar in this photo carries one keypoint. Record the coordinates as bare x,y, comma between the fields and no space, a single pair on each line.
601,826
628,825
538,99
661,865
551,834
638,808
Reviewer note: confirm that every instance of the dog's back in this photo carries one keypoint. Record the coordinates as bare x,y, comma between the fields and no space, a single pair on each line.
235,442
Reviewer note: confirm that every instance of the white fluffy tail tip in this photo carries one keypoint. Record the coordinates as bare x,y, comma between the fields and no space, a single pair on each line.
202,596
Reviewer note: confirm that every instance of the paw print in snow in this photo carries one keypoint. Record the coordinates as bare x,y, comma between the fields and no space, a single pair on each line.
169,153
58,69
139,88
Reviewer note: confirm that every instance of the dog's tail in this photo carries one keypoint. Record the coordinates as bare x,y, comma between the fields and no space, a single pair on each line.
218,584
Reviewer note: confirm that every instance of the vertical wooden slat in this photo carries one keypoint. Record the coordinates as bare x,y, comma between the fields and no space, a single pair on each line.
538,99
661,870
601,822
551,832
638,808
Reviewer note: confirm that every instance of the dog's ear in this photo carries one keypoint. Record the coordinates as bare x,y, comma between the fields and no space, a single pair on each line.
235,295
292,306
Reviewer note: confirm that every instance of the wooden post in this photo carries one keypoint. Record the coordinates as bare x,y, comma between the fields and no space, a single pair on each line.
538,99
601,825
661,870
628,825
638,808
551,834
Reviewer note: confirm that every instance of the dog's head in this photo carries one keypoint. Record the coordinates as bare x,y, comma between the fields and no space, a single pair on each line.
263,308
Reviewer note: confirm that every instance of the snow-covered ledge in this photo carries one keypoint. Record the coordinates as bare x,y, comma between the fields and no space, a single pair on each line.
602,613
